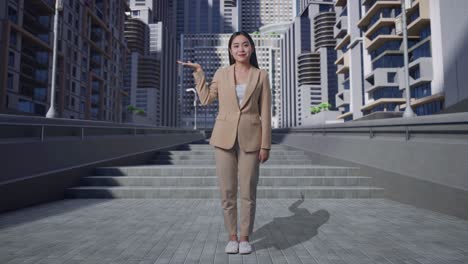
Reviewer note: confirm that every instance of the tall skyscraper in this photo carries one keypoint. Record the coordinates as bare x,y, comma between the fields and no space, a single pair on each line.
308,70
255,14
142,77
206,16
159,15
90,62
436,31
351,95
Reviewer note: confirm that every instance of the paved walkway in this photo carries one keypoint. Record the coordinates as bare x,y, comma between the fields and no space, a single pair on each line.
191,231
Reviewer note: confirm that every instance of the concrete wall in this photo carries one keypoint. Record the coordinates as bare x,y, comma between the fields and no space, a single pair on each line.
449,28
429,170
35,171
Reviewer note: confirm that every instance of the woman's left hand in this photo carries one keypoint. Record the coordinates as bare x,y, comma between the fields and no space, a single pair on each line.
263,155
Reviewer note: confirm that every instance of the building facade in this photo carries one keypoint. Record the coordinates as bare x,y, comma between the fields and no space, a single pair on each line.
350,60
160,17
308,69
206,16
142,77
90,61
384,75
254,14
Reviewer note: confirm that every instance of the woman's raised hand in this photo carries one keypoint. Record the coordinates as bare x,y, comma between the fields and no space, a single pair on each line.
195,66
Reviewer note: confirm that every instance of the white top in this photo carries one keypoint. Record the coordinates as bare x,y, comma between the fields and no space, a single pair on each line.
240,91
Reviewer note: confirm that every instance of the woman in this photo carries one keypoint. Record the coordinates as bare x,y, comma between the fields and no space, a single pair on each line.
241,134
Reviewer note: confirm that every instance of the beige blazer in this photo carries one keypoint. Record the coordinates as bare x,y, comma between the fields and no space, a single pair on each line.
250,121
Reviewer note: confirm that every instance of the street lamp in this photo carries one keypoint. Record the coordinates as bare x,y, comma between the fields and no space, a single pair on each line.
51,113
194,104
408,110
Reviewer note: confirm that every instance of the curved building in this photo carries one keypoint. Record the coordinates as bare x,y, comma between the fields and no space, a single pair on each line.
135,32
323,29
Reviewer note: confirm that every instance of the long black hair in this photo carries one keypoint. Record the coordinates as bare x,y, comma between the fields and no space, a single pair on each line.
253,57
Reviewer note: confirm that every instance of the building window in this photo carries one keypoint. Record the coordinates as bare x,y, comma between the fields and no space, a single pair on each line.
420,91
386,92
13,39
415,72
12,15
25,106
10,81
388,61
422,51
391,77
40,94
11,59
82,106
429,108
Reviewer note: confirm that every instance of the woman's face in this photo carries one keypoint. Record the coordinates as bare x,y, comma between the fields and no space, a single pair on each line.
241,49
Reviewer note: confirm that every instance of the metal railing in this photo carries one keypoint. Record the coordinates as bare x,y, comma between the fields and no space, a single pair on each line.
433,126
11,131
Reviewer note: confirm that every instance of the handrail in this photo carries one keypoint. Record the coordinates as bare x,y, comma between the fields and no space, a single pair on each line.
455,124
33,131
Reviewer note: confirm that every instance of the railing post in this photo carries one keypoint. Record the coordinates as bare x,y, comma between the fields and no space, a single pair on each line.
42,133
371,133
82,133
407,134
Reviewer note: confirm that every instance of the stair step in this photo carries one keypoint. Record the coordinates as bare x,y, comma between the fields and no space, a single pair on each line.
211,152
208,146
189,171
213,192
158,181
210,170
188,156
213,162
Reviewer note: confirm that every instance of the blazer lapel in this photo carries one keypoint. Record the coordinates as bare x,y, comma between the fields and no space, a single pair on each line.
252,81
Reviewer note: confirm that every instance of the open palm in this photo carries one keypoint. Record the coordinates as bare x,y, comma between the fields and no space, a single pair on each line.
194,66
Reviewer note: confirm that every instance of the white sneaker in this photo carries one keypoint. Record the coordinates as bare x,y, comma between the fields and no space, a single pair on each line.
232,247
245,247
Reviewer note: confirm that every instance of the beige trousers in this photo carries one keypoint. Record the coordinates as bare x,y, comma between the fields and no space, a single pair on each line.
229,165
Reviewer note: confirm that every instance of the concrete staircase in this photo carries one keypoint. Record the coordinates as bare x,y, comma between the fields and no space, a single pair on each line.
190,172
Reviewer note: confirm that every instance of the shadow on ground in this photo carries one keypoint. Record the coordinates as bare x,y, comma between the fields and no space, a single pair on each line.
286,232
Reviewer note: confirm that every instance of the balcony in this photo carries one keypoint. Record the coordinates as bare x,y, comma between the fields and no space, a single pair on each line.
383,104
381,78
421,71
376,8
341,59
418,17
344,42
341,28
342,98
341,3
382,22
343,64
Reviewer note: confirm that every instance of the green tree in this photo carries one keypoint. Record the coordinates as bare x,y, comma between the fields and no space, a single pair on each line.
136,110
324,106
314,109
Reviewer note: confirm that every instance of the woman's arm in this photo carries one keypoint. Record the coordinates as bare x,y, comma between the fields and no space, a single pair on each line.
265,113
207,94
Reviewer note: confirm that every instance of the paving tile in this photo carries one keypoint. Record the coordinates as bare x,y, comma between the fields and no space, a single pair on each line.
192,231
